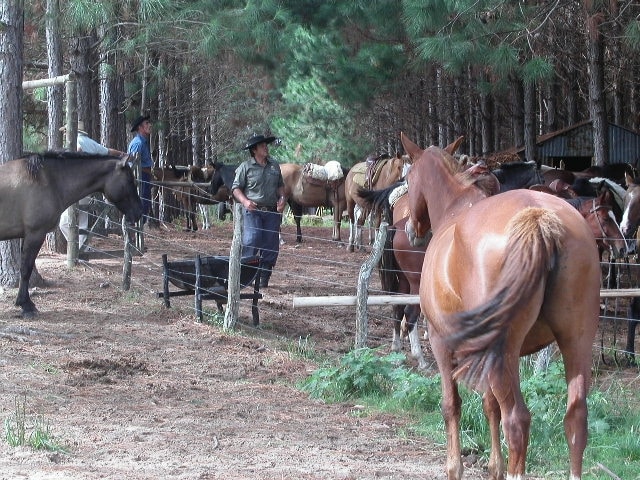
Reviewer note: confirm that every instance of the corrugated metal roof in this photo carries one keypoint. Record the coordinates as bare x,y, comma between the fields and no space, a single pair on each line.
577,141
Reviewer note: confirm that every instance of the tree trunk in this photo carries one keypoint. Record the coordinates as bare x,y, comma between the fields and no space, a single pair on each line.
80,63
11,48
530,122
597,99
55,241
486,108
517,107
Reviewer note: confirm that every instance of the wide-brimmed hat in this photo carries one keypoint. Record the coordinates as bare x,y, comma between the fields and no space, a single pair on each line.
256,139
80,128
138,121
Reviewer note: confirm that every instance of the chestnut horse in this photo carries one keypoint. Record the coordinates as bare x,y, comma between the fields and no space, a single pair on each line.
385,171
304,192
36,189
503,276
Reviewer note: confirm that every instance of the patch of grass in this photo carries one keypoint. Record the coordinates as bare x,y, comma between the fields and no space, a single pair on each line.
48,368
213,318
384,383
303,348
39,438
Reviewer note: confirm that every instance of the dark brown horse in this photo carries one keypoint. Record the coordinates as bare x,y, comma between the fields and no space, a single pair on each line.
374,173
304,191
400,266
503,276
36,189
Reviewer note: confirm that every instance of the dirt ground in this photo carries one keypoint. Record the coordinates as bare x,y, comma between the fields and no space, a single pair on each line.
134,390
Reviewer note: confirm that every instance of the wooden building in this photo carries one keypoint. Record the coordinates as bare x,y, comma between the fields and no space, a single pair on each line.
573,146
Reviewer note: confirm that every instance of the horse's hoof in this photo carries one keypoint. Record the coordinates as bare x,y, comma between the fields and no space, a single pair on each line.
29,314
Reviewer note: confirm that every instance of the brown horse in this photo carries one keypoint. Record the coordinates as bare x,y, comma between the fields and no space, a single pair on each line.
401,263
598,212
631,212
503,276
303,191
192,195
36,189
374,173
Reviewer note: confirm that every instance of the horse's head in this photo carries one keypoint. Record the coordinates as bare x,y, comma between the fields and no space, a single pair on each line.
221,180
631,213
605,227
120,189
419,222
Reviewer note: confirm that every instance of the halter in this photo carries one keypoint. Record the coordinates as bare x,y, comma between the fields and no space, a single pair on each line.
594,209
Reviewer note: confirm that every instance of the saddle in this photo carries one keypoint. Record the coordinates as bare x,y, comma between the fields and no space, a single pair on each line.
374,167
319,175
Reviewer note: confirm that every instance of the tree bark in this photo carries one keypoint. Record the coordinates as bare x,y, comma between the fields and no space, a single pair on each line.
55,241
530,122
11,50
597,99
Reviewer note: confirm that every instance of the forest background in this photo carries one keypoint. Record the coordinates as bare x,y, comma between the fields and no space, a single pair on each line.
334,80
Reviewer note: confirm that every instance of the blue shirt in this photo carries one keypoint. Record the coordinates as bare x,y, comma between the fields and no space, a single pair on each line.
140,145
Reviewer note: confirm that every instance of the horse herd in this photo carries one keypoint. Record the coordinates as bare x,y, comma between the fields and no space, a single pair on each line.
503,260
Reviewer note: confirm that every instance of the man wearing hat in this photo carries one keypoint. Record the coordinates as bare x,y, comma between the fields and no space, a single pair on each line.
140,146
259,187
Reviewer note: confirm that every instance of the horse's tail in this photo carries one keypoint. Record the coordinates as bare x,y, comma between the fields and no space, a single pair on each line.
388,267
378,200
531,253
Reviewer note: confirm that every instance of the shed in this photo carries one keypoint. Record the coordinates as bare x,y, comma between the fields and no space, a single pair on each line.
574,147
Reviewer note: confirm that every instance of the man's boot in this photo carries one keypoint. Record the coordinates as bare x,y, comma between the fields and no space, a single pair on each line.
265,275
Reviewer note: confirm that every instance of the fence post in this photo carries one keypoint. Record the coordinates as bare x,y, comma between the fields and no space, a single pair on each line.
73,246
362,320
233,285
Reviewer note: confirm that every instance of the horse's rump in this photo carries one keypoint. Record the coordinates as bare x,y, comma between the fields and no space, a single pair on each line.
534,240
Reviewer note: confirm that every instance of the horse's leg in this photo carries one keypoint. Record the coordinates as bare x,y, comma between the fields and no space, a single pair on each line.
396,341
28,253
204,211
491,409
360,217
297,217
451,405
337,221
516,418
634,315
411,315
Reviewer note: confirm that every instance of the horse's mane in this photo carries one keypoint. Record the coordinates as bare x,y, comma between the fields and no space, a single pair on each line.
34,161
618,191
226,172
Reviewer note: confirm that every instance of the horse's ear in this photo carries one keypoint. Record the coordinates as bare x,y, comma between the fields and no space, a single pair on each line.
123,161
628,179
413,150
452,147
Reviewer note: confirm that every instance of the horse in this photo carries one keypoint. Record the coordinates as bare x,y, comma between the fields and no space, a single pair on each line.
598,211
503,276
400,266
192,195
166,198
36,189
304,191
220,186
517,175
631,212
374,173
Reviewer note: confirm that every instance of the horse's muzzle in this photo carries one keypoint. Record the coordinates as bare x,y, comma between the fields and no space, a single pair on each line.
414,240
